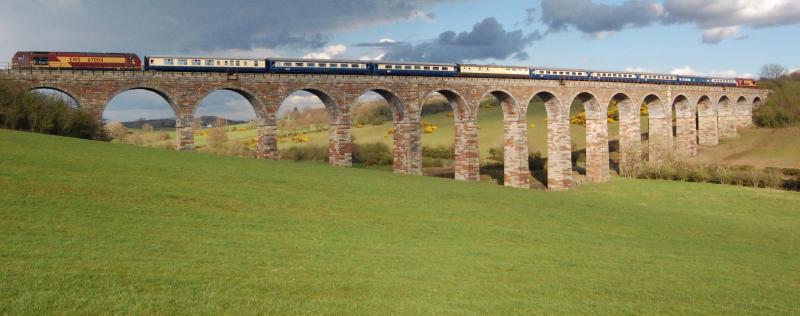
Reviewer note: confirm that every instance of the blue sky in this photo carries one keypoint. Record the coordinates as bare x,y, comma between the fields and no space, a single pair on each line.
712,37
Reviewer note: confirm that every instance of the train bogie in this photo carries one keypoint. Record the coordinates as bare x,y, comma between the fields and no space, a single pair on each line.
205,64
76,61
300,66
415,69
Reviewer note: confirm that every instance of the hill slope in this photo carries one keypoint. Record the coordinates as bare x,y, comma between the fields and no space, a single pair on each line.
90,227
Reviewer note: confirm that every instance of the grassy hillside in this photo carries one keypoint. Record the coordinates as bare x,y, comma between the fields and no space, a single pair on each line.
761,147
91,227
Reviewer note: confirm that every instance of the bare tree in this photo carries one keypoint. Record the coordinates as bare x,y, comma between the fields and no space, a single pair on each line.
772,71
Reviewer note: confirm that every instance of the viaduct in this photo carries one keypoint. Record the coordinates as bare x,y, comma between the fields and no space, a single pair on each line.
703,114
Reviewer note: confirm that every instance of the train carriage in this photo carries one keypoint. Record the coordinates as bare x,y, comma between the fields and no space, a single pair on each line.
319,66
76,60
559,74
205,64
658,78
415,69
613,76
494,71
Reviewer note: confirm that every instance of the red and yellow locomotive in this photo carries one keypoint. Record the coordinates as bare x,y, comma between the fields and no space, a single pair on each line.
72,60
746,83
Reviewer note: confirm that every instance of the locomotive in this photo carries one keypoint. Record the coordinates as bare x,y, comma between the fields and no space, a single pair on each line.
128,61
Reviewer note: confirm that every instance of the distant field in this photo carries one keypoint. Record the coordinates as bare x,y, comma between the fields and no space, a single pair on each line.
490,134
99,228
778,148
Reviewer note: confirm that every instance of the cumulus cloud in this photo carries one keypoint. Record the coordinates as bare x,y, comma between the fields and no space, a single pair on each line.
719,19
689,71
330,52
181,26
487,40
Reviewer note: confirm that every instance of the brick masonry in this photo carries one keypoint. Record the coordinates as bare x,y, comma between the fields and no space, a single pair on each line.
721,111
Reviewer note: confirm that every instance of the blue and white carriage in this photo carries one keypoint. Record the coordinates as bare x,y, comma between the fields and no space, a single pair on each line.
205,64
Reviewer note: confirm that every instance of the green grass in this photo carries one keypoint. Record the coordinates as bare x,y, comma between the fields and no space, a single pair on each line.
91,228
760,147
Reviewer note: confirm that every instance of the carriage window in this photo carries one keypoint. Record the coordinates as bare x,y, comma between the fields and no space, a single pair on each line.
209,63
389,67
323,65
435,68
168,62
183,62
426,68
310,64
237,63
354,65
218,63
195,62
298,64
416,67
446,68
255,63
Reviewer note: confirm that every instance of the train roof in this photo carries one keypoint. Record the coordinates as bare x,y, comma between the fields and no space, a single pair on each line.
201,57
503,66
350,61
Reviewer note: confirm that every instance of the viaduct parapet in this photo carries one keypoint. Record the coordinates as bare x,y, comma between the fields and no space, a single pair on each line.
681,117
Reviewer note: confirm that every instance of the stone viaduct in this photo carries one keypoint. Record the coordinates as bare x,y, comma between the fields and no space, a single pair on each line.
703,114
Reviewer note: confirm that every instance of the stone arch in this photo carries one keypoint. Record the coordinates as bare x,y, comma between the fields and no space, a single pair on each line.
399,110
467,162
685,137
58,88
707,133
659,127
725,117
340,142
630,135
559,162
743,113
757,103
161,92
407,149
597,156
458,103
515,139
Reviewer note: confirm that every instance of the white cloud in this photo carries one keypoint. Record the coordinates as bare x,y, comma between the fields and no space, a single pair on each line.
686,71
329,52
387,40
636,69
256,52
689,71
717,34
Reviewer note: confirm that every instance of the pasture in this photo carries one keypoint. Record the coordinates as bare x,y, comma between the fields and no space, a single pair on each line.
98,228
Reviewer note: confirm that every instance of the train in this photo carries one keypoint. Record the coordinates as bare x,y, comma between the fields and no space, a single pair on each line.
129,61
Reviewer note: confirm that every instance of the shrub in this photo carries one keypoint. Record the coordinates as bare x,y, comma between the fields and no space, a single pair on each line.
375,154
305,153
439,152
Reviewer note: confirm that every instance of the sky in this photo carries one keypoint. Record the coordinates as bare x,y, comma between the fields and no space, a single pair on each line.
730,38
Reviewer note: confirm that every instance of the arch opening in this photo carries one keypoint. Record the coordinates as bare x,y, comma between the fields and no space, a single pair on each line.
309,127
379,136
441,114
503,135
623,133
589,137
658,142
548,125
707,134
684,128
225,122
58,95
141,117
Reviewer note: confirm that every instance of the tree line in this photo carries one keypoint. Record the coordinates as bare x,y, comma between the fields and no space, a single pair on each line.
25,110
782,108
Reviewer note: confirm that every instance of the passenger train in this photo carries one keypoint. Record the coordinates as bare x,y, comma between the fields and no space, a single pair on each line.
117,61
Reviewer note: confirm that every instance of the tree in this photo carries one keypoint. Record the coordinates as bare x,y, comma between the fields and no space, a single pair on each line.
116,131
772,71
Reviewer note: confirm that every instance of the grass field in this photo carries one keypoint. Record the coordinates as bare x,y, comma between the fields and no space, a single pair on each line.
761,147
98,228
